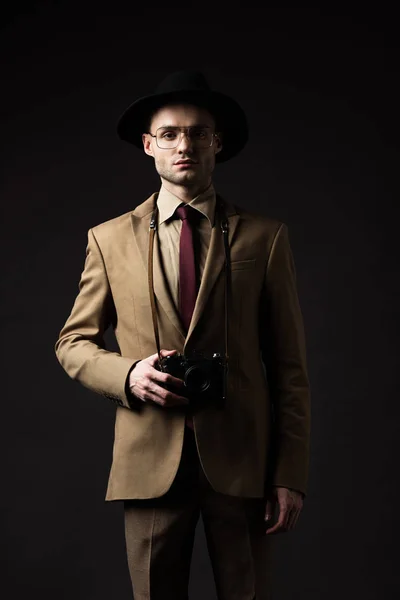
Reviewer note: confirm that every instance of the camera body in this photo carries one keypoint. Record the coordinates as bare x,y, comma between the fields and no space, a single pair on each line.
204,377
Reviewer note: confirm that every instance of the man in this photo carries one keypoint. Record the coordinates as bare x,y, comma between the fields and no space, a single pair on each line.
227,300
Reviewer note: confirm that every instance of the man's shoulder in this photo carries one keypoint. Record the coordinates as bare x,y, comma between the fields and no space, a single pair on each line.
257,220
113,223
118,224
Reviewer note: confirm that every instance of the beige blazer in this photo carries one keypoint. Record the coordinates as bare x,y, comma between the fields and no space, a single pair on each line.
262,435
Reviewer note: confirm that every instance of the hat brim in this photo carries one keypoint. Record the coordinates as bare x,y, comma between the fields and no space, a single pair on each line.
230,117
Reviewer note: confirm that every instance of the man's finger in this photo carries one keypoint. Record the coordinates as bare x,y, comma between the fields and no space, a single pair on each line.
281,524
292,518
153,359
166,379
269,509
151,397
149,391
296,518
166,397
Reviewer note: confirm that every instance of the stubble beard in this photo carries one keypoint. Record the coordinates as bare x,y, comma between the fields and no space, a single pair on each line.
187,179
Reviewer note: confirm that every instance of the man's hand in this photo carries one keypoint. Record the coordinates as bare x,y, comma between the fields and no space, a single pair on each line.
145,382
290,503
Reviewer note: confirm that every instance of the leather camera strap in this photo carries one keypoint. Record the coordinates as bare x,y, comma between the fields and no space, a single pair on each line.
153,227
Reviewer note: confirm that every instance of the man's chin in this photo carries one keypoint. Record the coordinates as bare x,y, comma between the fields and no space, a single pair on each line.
187,177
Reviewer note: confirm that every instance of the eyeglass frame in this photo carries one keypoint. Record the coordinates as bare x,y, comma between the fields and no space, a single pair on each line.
182,132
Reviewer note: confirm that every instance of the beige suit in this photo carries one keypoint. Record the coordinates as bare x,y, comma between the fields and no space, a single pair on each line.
262,436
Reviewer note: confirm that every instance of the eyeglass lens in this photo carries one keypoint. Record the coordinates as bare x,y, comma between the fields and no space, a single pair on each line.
170,137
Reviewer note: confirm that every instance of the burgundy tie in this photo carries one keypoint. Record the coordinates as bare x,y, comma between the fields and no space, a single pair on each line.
187,266
187,272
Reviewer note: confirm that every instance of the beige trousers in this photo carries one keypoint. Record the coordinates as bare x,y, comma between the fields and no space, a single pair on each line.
160,532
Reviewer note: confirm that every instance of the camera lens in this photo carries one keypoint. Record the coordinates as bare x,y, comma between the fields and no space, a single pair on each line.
196,379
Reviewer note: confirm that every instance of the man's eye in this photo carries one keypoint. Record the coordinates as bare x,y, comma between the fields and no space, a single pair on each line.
169,135
200,134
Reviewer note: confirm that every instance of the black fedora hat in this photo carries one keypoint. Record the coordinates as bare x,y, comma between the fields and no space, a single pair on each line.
190,87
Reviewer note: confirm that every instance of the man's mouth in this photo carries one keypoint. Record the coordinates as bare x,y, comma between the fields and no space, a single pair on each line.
186,162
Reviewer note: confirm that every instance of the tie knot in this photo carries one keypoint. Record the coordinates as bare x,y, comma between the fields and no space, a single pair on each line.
186,212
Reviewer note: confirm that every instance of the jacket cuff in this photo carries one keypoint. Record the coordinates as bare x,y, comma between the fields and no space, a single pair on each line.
134,402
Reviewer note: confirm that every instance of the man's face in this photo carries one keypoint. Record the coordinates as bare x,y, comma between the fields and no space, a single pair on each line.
193,175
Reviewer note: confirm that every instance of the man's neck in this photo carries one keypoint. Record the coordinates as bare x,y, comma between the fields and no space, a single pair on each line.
183,193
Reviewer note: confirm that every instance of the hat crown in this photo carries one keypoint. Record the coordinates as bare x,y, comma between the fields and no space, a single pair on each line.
183,81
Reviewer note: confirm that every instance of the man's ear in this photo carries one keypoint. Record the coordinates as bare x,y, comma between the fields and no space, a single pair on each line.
218,142
146,139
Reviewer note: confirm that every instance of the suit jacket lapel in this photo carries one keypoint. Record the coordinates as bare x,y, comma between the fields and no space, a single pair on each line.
141,227
214,262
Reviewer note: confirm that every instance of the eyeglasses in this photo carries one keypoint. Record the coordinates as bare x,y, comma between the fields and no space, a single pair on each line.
170,137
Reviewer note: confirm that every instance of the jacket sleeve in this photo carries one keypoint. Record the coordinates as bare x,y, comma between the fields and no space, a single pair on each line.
80,347
284,355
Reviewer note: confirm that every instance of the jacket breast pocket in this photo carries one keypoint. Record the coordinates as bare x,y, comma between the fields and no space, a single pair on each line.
243,265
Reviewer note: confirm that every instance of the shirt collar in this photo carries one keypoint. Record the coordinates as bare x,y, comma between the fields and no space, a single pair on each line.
205,202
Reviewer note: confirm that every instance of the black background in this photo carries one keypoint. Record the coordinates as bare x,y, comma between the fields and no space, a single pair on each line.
321,93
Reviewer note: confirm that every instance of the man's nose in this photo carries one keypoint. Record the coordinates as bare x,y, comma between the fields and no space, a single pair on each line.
185,142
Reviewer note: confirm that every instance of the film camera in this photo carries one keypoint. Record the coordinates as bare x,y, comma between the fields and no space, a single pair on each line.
204,377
